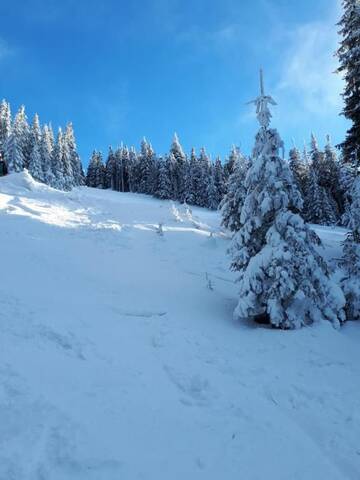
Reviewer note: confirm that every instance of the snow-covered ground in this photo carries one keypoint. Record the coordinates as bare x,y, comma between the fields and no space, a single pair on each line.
117,361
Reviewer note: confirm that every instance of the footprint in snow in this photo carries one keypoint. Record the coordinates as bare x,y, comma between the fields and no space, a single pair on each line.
196,388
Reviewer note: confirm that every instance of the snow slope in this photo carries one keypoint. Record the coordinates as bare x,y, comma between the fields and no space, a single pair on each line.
118,362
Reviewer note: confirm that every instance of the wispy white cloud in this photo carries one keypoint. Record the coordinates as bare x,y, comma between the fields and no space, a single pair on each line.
308,90
309,66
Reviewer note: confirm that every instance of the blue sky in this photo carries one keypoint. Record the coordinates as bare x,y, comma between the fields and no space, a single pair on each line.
122,70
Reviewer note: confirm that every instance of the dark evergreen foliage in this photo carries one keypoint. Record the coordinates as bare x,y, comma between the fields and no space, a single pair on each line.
349,59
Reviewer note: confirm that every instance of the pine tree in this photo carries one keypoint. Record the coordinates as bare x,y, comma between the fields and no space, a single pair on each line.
91,171
298,169
219,180
57,162
101,173
351,257
96,171
180,162
172,172
233,201
164,190
281,276
330,177
77,172
318,206
119,170
126,165
154,175
316,156
35,160
188,182
51,136
349,59
66,163
194,180
211,191
35,164
327,173
35,132
132,170
122,169
46,153
5,124
111,170
146,164
346,182
15,145
23,134
231,162
204,165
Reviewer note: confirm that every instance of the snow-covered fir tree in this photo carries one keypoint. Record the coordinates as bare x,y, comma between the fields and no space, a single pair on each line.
126,165
111,170
298,169
219,180
57,162
132,169
180,163
211,191
231,162
146,164
15,146
330,177
66,163
23,130
164,188
351,257
233,201
91,170
77,173
35,164
188,182
204,175
35,132
5,123
282,278
194,180
96,171
35,161
319,208
46,149
346,182
349,59
316,155
154,174
119,170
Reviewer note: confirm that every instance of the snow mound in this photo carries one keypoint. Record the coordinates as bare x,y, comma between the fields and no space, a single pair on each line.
17,183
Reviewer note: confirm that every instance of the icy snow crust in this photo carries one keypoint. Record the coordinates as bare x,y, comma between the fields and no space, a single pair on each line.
120,358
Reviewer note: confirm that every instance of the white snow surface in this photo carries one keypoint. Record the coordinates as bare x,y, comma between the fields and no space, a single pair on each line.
119,362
